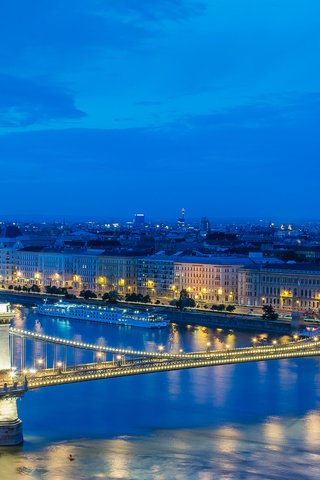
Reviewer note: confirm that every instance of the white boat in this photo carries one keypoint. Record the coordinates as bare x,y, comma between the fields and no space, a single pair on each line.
96,313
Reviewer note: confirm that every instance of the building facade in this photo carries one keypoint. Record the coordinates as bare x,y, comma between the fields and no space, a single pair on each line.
155,277
289,287
209,280
75,270
206,279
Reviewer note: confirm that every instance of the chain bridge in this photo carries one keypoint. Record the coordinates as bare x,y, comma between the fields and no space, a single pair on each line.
54,361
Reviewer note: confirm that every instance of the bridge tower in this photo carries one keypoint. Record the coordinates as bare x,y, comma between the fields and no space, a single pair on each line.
10,425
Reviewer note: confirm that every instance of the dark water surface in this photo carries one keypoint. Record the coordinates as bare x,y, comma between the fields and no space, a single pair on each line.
256,420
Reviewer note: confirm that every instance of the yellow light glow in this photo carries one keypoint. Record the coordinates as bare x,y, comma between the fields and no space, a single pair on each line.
219,291
286,293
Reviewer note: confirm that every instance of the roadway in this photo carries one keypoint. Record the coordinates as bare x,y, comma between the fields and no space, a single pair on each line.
143,365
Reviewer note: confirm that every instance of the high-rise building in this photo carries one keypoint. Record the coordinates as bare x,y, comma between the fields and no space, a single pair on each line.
181,221
138,221
204,225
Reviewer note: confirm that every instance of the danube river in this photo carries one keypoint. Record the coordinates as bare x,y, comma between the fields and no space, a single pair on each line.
249,421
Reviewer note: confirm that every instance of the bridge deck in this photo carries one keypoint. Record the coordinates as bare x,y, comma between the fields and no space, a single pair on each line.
143,365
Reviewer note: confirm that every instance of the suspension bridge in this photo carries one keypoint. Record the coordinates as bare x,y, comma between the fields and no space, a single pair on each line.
55,361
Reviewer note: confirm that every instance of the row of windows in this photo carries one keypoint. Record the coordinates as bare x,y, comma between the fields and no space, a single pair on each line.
297,280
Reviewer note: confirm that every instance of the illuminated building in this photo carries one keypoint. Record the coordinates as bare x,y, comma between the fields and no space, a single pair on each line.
289,287
138,221
207,279
77,270
156,276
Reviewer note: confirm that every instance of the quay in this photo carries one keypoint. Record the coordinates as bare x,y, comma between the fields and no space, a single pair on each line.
242,322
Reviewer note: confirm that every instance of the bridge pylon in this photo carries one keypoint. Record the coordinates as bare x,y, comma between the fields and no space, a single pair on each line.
11,432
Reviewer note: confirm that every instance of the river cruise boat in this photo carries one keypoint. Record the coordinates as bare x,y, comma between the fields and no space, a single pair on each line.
97,313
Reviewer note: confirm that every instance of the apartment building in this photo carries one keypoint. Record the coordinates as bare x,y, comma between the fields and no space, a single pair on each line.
288,287
207,279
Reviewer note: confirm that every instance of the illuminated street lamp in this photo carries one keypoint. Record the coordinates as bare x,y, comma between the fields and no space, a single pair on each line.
99,355
119,358
274,342
161,348
40,362
208,346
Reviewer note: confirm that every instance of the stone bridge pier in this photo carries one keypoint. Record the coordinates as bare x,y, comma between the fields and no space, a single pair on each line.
10,425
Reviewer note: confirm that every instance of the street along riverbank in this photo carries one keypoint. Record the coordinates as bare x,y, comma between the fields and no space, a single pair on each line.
251,323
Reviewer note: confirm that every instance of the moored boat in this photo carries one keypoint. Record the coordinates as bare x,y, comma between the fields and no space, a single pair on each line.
95,313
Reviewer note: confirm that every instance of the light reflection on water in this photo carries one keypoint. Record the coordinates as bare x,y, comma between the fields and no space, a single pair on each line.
257,420
267,450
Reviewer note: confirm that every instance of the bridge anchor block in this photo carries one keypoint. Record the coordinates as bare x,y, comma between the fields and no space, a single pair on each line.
11,432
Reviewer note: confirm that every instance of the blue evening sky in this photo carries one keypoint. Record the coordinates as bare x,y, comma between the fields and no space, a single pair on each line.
108,107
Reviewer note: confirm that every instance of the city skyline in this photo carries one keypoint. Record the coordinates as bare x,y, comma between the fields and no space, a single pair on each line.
127,218
209,105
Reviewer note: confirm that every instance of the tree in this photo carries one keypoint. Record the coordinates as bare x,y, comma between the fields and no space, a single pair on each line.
230,308
185,300
87,294
35,288
269,313
219,308
111,297
56,290
137,297
131,297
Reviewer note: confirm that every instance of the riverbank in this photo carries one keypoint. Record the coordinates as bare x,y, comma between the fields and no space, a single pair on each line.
250,323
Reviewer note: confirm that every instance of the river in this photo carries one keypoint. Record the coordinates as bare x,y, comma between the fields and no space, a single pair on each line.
249,421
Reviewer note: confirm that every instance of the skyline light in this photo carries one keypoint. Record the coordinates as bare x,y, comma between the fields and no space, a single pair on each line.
139,107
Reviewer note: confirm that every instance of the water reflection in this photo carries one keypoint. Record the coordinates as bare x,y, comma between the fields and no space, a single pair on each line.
227,422
312,429
274,433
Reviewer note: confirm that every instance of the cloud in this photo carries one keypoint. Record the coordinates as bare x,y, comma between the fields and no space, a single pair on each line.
255,133
54,31
159,9
25,102
245,161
